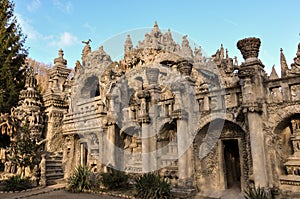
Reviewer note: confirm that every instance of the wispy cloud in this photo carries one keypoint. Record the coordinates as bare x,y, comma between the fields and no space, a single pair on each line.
230,22
28,30
90,28
64,6
34,5
66,39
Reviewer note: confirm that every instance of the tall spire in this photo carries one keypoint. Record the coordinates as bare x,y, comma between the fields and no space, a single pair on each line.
283,64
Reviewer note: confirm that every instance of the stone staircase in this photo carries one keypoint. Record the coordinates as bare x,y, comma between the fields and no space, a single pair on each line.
54,169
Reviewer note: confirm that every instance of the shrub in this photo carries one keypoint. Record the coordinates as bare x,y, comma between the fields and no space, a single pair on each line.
257,193
16,183
82,179
114,179
152,186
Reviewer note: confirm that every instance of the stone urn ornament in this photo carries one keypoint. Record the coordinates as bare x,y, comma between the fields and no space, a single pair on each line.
152,75
184,67
249,48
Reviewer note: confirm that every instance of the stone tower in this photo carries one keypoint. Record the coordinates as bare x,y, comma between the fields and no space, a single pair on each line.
56,102
29,108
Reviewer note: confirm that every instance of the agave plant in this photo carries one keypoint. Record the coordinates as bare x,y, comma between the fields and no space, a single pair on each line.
152,186
80,179
257,193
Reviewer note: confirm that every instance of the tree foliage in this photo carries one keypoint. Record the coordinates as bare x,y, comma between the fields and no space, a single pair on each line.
12,57
41,71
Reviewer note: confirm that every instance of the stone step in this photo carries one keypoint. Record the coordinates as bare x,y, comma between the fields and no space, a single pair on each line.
53,176
56,153
53,161
52,167
54,170
57,181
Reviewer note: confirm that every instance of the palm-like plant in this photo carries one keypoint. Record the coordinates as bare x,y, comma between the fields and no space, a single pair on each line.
80,179
257,193
152,186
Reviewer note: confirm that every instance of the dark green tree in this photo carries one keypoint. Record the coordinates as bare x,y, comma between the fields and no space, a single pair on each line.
12,57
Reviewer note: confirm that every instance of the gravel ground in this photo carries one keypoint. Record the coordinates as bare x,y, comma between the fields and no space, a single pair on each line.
67,195
54,191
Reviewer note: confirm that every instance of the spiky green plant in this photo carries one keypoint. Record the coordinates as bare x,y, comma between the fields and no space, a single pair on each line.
81,179
152,186
257,193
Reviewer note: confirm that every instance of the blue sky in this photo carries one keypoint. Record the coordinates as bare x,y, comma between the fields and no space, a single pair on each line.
54,24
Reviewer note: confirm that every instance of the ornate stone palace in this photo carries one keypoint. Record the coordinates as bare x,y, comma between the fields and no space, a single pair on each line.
207,124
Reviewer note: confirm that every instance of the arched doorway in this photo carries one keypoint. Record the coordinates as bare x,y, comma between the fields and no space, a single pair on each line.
226,164
232,163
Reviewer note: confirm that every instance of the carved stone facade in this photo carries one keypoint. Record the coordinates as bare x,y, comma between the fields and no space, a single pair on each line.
198,121
207,124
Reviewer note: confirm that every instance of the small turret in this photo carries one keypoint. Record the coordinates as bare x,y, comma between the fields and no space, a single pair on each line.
60,59
128,47
185,47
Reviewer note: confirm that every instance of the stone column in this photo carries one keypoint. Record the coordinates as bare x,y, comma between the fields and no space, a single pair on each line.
111,144
111,152
144,119
146,147
185,168
182,140
251,74
82,154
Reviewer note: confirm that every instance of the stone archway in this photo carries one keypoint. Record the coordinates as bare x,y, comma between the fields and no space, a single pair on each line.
278,142
225,166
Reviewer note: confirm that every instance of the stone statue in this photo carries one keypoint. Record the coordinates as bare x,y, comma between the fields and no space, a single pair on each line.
86,50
